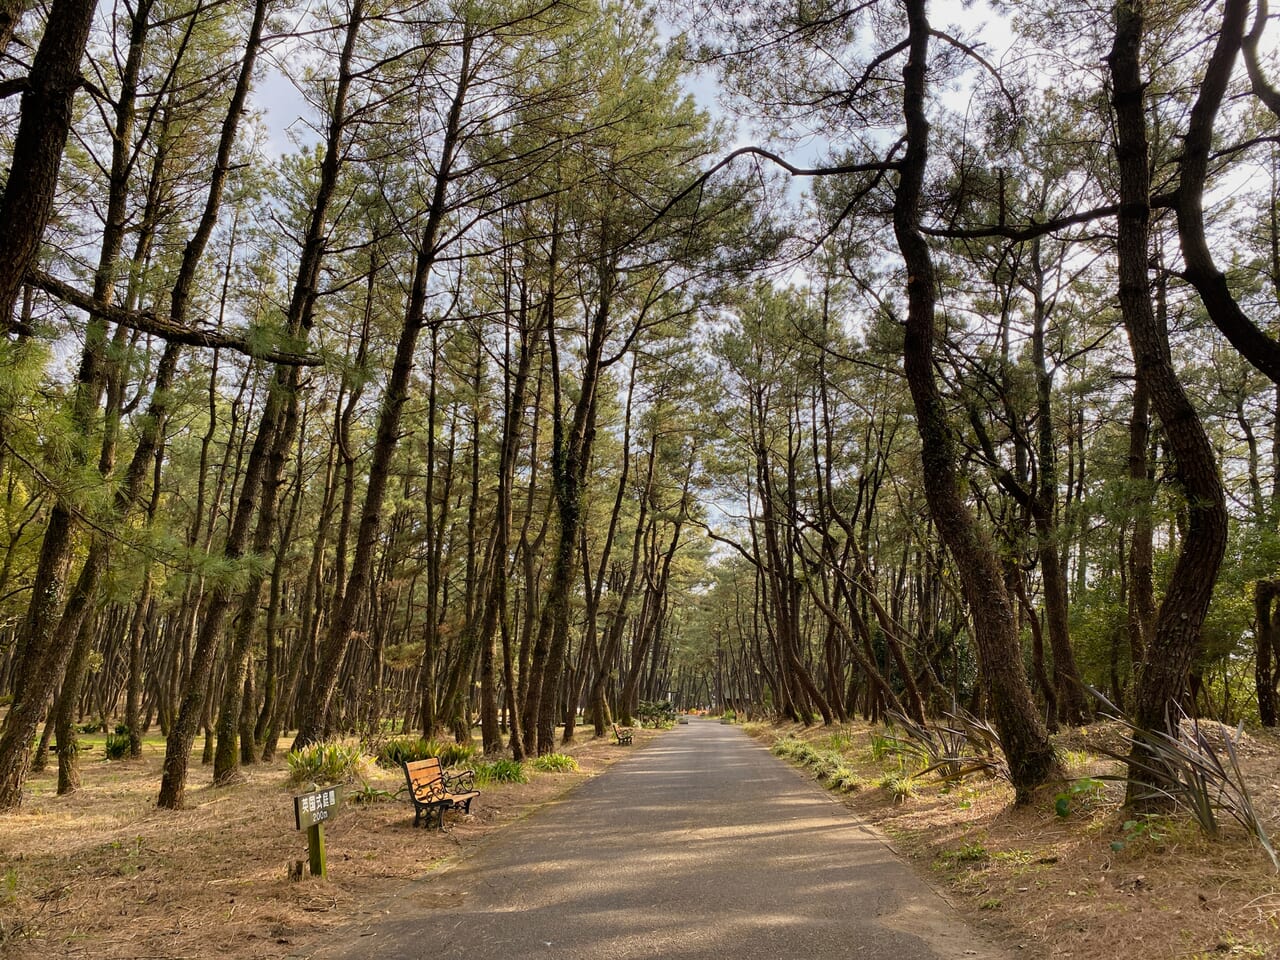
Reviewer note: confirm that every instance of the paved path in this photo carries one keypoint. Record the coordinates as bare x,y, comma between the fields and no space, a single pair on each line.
701,846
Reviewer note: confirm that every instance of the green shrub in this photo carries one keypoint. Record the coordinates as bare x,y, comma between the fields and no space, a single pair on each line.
401,750
367,793
117,746
325,763
882,745
555,763
454,754
1079,794
786,747
1189,770
656,713
899,787
501,771
845,780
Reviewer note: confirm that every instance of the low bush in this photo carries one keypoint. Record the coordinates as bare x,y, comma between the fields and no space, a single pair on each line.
656,713
117,746
500,771
401,750
554,763
325,763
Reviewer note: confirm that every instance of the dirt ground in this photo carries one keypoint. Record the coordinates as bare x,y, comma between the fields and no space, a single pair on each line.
1095,883
105,874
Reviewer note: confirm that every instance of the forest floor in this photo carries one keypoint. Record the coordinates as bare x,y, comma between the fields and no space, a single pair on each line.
103,873
1094,883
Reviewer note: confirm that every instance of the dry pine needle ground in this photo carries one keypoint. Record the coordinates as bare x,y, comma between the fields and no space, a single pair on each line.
104,874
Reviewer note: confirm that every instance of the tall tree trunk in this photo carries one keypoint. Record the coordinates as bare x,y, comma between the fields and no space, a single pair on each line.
1162,678
338,638
1022,735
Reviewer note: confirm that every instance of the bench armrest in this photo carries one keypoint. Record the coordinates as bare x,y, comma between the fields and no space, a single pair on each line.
460,782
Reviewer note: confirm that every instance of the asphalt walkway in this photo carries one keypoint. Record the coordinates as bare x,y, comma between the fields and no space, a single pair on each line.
701,846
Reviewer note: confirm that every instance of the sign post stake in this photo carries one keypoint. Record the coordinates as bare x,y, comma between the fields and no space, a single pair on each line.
315,847
310,811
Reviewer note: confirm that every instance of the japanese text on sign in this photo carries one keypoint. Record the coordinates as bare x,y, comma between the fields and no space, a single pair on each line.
312,808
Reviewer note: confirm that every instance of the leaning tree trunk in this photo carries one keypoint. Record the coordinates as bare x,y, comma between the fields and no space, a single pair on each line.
1022,735
1163,676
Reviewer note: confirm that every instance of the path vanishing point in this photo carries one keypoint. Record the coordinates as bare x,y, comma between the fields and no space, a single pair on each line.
701,846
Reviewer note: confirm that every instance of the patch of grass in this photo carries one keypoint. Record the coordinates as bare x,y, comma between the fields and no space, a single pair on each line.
325,763
1019,857
841,741
400,750
1081,794
846,780
900,787
882,745
554,763
970,852
500,771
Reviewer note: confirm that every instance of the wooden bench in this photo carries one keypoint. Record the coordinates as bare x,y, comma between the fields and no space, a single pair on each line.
623,736
433,791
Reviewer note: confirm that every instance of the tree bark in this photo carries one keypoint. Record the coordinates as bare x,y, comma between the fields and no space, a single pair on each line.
1022,735
38,145
1162,679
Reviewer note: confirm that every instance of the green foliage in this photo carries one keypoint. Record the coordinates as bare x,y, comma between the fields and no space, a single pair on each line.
962,745
1079,794
325,763
827,764
883,745
117,746
554,763
367,793
1189,772
656,713
969,852
401,750
900,787
1150,828
500,771
845,780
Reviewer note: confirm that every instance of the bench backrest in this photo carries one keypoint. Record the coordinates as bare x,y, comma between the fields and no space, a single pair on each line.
426,780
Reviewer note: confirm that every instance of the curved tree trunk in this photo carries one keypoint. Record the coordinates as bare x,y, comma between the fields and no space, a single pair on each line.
1163,676
1025,741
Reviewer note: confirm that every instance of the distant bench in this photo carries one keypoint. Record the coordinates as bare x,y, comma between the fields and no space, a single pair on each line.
433,791
623,736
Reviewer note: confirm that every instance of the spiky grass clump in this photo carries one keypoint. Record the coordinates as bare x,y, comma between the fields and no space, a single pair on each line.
401,750
501,771
324,763
900,787
555,763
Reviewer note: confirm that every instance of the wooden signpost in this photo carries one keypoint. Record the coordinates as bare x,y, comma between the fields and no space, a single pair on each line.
310,811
